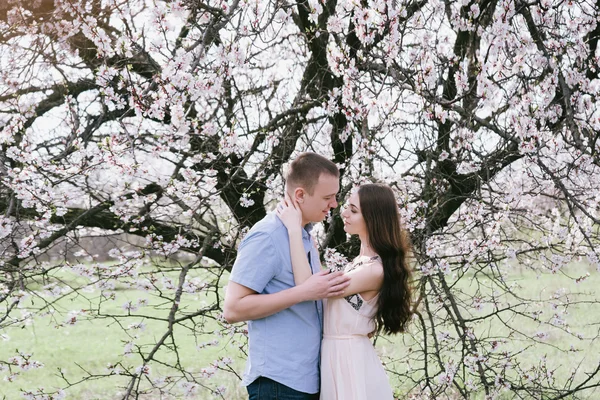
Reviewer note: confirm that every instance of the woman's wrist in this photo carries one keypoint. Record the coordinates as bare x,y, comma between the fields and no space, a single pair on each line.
295,231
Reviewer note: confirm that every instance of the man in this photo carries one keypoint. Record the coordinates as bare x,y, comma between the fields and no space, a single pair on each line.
285,325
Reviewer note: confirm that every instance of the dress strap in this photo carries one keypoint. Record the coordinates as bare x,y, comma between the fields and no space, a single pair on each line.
356,264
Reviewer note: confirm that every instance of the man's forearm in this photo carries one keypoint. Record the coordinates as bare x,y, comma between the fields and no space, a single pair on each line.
256,306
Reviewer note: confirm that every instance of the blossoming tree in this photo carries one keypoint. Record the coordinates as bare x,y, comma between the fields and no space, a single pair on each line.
163,128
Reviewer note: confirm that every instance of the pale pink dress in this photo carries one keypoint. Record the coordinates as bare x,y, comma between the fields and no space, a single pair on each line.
350,367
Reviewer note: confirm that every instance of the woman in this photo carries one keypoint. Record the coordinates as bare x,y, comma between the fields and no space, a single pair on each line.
378,298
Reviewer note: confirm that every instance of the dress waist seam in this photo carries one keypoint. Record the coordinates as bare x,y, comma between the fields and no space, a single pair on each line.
345,337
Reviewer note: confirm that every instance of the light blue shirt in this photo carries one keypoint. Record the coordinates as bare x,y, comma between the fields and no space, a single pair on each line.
284,346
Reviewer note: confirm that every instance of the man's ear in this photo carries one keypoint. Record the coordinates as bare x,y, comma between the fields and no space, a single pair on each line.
299,195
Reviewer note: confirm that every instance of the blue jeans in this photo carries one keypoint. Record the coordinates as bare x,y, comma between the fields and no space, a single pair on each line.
267,389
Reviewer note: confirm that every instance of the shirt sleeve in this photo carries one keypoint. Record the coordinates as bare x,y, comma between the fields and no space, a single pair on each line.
257,262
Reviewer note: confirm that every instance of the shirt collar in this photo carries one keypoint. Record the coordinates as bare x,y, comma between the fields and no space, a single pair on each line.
307,229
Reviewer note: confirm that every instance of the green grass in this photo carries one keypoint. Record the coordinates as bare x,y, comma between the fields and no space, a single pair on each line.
95,343
563,351
89,346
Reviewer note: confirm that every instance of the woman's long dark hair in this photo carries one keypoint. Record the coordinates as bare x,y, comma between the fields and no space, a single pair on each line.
386,237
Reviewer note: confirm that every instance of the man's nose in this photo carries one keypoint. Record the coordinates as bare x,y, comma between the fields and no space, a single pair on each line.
334,202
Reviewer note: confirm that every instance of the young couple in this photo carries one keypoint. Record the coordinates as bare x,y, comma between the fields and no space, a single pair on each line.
309,328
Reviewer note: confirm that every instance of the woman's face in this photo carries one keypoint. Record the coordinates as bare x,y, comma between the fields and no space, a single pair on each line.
354,222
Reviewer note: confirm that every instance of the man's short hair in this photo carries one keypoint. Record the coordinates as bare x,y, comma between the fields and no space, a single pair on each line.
306,169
